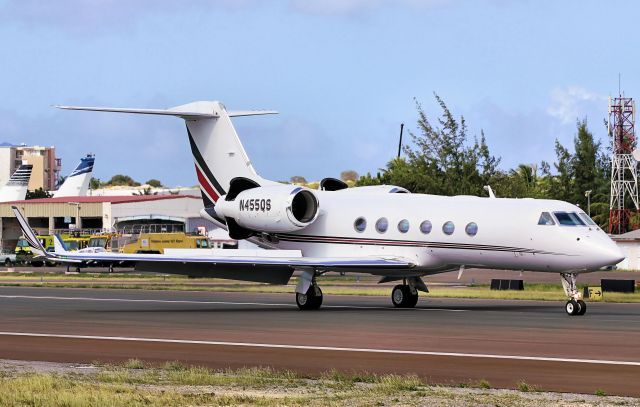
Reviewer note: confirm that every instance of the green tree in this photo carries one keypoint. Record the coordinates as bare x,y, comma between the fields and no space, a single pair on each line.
37,194
145,191
95,183
122,180
441,160
584,165
154,183
349,175
563,182
298,179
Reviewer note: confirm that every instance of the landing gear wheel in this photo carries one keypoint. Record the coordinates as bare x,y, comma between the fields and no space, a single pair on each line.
311,300
572,307
583,307
402,297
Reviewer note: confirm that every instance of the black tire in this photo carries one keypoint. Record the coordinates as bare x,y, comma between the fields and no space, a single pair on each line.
402,297
312,300
572,307
37,263
583,307
7,262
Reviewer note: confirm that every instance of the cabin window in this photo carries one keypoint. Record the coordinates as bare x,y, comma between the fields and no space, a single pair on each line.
587,219
471,229
403,226
382,225
448,228
568,219
360,224
546,219
425,227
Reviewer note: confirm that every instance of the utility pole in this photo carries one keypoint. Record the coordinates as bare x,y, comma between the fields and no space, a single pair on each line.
588,195
400,143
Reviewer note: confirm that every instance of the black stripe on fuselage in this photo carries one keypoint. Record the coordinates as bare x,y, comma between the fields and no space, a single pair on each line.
203,166
407,243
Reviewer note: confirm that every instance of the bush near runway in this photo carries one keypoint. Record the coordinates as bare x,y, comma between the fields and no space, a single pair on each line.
134,383
331,285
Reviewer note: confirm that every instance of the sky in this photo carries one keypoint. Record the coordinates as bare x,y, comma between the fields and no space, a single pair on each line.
342,73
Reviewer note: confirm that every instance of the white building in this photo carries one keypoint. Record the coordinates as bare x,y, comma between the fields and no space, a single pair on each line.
629,243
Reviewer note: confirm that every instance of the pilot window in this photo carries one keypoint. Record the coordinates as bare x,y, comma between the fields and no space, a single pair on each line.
587,219
568,219
546,219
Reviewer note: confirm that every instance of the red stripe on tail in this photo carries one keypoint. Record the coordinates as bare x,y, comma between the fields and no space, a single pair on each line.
204,184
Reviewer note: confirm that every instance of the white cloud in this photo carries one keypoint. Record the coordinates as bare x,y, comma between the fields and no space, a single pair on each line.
341,7
87,16
573,102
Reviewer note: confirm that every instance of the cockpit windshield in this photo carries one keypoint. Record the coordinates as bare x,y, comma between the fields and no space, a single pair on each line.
546,219
587,219
569,219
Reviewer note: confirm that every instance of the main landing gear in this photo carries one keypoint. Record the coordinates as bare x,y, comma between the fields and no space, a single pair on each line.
575,305
405,295
311,300
308,294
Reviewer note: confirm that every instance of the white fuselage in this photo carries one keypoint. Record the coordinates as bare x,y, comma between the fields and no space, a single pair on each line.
508,234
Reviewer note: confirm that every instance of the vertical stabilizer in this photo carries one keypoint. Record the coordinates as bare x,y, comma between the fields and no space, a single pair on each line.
77,183
16,188
217,151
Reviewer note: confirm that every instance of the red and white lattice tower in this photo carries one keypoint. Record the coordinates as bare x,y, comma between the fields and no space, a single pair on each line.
624,167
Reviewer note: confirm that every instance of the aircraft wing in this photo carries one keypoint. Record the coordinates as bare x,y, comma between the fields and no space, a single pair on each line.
270,267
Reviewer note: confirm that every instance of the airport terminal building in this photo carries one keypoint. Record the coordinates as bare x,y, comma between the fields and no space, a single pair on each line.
50,215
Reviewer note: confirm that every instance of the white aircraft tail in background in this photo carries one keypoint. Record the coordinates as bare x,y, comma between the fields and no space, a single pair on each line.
16,188
77,183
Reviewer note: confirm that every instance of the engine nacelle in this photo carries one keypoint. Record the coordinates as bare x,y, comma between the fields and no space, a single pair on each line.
271,209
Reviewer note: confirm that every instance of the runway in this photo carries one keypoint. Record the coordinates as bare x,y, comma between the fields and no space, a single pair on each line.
443,340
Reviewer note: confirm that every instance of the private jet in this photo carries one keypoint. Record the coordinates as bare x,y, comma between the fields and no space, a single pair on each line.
381,230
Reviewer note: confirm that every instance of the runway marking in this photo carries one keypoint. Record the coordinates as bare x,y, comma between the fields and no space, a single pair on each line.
37,297
322,348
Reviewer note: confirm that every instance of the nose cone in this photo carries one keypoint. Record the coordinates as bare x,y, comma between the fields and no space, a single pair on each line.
610,253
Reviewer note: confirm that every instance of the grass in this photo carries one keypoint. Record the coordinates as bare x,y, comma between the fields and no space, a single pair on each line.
135,383
544,292
331,284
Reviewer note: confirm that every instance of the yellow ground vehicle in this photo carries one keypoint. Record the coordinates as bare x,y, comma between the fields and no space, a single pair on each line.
102,240
157,242
23,248
73,241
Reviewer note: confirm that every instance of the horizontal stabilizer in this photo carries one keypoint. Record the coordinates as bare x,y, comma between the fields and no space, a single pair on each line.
239,113
189,111
183,114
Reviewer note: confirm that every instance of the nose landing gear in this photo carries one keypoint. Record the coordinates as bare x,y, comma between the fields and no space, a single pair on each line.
575,305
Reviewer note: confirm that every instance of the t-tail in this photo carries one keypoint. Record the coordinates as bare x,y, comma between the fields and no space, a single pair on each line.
77,183
16,187
218,154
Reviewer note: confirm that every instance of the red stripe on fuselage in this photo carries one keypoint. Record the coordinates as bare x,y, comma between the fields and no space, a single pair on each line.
204,184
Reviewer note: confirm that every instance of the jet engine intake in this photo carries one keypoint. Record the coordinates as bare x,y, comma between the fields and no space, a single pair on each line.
269,209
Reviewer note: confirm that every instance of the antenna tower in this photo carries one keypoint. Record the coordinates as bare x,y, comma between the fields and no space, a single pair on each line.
624,167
